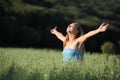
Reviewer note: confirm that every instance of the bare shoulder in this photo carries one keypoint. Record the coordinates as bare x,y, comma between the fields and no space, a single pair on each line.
81,39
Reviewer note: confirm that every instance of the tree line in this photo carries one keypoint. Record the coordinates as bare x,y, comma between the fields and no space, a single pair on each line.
27,23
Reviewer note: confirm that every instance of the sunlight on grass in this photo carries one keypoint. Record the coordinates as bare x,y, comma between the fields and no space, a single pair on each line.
46,64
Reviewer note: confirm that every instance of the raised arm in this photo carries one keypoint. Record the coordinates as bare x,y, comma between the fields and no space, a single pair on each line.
103,27
58,34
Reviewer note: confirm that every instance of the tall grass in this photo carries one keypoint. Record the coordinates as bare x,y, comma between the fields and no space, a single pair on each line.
46,64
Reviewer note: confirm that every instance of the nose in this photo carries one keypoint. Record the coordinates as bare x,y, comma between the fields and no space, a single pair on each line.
69,25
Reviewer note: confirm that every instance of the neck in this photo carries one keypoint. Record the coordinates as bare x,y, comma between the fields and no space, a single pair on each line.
71,37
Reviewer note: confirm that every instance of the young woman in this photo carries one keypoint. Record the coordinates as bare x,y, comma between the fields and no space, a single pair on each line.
74,40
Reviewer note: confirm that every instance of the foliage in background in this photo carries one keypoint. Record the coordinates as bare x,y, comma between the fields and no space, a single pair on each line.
27,22
111,48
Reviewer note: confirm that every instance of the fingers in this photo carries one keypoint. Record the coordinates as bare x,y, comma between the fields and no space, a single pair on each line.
55,27
51,30
105,24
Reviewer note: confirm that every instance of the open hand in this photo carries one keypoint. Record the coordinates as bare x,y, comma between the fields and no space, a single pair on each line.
53,30
103,27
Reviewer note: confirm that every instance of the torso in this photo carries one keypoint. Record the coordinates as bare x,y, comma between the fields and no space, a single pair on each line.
77,45
72,50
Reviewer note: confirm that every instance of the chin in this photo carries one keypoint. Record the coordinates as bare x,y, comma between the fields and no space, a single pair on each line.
68,31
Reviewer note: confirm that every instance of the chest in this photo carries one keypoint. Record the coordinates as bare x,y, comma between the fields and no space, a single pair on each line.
73,44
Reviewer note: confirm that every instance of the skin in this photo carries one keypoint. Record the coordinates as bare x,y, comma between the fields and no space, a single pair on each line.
76,43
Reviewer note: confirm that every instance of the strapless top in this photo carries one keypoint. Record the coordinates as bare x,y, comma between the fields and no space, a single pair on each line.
71,54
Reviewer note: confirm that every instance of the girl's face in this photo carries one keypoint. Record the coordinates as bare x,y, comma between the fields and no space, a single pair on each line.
72,29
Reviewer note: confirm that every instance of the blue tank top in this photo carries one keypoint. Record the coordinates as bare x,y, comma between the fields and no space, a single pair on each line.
71,54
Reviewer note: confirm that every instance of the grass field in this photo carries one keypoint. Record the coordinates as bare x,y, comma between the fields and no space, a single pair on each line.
46,64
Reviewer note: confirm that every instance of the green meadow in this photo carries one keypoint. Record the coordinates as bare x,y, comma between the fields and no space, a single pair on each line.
47,64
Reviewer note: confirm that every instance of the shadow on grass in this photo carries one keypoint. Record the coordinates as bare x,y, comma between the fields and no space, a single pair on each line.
17,73
36,75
